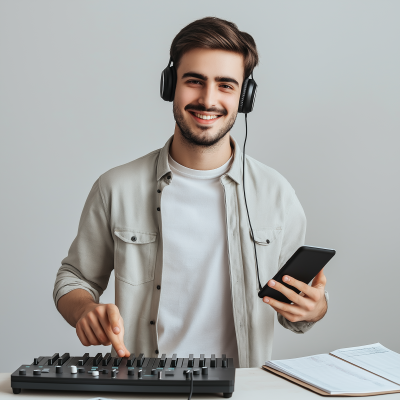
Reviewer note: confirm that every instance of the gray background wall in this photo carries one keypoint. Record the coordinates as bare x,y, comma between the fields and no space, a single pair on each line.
79,84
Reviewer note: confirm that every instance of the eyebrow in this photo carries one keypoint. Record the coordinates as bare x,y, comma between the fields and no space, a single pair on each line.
205,78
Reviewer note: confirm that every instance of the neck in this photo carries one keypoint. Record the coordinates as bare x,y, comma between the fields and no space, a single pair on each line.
198,157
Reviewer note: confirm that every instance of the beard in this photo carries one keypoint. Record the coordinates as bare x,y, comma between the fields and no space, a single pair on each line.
190,137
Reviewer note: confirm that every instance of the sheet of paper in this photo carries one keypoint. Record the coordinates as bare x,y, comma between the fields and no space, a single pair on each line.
332,375
375,358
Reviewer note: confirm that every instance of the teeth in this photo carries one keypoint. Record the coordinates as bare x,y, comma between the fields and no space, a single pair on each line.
201,116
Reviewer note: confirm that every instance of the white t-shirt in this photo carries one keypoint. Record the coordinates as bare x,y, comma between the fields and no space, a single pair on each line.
195,314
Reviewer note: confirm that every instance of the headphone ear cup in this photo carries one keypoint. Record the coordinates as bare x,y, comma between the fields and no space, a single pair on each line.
242,95
168,83
247,96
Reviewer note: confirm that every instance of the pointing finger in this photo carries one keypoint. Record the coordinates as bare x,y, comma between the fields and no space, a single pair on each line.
114,317
112,323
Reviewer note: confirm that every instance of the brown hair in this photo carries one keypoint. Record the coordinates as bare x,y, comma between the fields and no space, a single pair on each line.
215,33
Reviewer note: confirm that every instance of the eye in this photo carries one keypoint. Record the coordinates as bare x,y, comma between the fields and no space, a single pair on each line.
194,82
226,86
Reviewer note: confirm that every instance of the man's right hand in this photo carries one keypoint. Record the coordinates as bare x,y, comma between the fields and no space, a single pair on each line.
95,323
102,324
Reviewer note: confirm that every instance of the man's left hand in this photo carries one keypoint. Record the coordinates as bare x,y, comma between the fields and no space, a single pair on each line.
310,305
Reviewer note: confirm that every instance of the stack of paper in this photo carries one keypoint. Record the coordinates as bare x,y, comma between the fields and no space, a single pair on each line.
371,369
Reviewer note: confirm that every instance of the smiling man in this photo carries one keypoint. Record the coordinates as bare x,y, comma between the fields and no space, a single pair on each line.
173,226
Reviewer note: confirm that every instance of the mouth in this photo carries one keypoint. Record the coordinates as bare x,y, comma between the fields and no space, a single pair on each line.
204,118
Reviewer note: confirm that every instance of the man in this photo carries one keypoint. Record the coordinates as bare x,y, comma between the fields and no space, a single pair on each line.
173,226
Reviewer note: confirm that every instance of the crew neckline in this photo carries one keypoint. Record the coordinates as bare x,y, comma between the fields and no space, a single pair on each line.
198,173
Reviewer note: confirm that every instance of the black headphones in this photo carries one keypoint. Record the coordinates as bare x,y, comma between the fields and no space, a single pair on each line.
247,94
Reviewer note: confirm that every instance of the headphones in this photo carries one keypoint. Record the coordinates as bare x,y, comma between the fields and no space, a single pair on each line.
247,94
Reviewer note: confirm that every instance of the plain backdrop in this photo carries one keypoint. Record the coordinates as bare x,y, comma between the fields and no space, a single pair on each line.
79,94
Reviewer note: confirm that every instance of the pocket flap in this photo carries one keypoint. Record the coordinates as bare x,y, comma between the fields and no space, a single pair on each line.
136,237
266,236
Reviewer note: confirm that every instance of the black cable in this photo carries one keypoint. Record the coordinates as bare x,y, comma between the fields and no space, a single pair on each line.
191,383
245,202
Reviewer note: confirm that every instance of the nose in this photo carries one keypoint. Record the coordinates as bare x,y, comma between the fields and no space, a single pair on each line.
208,96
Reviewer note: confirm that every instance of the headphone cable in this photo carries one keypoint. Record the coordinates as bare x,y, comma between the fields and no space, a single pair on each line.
245,202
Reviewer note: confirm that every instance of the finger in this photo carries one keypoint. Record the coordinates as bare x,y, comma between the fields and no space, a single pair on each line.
93,321
87,330
303,287
320,280
81,335
114,318
127,352
115,339
280,306
289,293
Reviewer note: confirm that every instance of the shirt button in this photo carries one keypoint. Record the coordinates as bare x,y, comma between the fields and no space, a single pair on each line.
133,238
151,322
158,287
158,191
268,242
158,208
157,351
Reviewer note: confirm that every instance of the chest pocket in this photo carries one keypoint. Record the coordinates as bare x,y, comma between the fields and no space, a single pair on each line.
135,256
268,244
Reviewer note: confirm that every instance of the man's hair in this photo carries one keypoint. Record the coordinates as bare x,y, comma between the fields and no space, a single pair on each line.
215,33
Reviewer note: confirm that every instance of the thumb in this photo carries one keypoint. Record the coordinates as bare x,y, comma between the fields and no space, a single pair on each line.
320,280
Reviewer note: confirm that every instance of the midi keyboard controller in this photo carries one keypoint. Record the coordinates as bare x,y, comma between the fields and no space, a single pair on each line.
134,374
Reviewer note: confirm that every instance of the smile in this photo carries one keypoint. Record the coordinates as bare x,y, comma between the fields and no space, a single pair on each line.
201,116
204,118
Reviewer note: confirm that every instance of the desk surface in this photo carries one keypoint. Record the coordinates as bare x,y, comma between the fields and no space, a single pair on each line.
251,383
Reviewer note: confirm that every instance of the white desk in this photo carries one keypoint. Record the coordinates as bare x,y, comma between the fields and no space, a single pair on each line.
251,384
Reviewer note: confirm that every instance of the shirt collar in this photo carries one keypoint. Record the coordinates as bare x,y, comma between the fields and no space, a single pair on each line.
235,172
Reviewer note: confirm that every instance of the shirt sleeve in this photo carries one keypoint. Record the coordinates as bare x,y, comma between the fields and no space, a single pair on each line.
90,258
294,237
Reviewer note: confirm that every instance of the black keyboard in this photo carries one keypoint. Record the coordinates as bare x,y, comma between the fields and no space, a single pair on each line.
103,373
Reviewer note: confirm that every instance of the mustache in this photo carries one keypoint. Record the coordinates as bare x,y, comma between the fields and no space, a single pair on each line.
199,107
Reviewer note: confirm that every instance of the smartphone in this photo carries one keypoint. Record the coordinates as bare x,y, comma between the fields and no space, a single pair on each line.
304,264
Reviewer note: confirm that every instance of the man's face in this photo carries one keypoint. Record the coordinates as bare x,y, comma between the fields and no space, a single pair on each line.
207,94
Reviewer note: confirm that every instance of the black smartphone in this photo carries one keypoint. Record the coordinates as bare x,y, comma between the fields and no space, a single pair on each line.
304,264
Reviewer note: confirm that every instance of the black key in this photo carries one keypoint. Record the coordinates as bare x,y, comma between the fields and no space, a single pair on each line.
213,362
97,359
202,361
131,360
83,360
63,359
140,360
173,361
107,359
117,361
224,361
162,361
53,359
191,361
